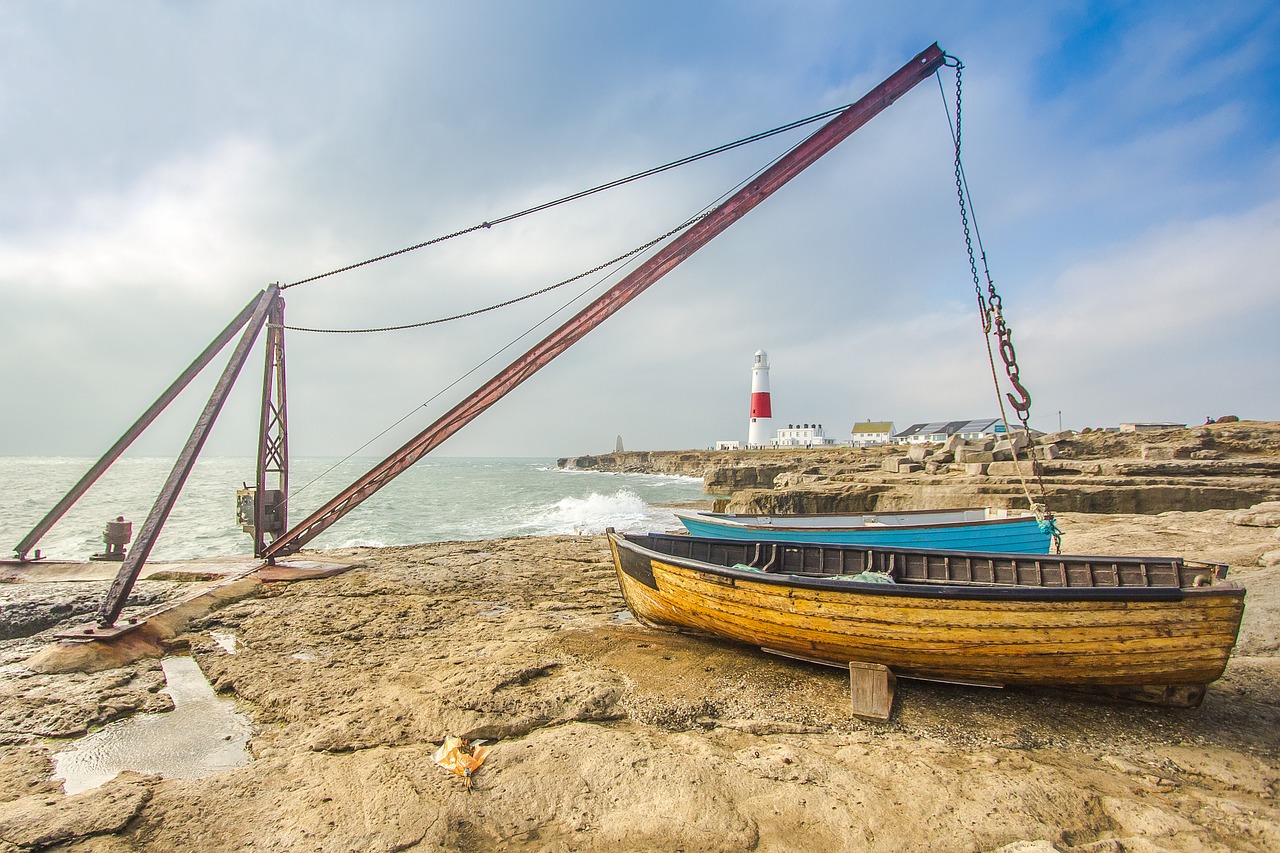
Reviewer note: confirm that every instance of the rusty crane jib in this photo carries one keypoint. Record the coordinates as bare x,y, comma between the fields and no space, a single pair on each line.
922,66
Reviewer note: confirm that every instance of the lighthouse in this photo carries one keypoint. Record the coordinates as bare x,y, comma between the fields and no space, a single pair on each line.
761,409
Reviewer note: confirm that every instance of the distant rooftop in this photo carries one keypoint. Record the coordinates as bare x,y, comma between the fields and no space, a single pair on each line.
948,427
872,427
1139,426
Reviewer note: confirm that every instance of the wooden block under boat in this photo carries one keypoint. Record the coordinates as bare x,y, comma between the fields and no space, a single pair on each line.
871,688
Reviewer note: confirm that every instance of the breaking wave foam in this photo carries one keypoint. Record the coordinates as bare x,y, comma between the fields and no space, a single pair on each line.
623,510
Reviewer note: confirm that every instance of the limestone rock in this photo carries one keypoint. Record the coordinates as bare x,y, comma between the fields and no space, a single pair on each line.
39,705
39,822
975,468
36,616
1265,514
917,452
1074,467
1010,469
733,477
1097,471
841,497
1017,441
1163,452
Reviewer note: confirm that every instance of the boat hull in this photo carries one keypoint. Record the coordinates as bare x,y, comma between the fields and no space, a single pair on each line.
1114,636
946,530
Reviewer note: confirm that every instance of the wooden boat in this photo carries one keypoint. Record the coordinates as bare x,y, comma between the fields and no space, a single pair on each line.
1153,628
973,529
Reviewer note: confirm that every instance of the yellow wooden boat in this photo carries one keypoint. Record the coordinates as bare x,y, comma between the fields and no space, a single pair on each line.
1153,628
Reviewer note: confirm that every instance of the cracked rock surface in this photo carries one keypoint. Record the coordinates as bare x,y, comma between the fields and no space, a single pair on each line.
607,735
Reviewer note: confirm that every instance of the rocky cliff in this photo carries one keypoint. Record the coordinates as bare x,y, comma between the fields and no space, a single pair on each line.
1218,466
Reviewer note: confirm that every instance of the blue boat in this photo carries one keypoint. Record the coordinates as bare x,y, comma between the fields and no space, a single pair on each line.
980,529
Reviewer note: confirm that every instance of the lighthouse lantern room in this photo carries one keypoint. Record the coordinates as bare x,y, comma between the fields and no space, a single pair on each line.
758,432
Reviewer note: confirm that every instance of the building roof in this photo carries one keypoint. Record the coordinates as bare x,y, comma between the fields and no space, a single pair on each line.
873,426
947,427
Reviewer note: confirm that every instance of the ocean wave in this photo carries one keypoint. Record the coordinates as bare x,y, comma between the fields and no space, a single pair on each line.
360,542
623,510
444,499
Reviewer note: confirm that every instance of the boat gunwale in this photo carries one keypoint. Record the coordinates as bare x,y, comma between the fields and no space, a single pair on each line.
737,522
943,590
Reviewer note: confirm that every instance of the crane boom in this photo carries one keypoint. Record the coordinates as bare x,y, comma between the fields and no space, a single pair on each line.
681,247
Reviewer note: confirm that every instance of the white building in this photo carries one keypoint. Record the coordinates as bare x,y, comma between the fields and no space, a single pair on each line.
871,433
939,431
802,435
729,445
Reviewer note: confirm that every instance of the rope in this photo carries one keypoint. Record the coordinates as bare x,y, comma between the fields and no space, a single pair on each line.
1038,508
547,289
683,161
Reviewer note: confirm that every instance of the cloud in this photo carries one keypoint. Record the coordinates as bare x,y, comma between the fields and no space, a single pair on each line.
1225,269
189,225
1173,325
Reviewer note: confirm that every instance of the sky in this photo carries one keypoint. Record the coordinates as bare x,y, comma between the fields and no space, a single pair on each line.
162,162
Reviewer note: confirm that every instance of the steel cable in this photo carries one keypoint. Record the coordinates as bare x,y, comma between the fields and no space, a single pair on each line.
633,252
683,161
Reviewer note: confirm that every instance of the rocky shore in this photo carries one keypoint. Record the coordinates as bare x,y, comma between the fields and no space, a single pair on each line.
1219,466
606,735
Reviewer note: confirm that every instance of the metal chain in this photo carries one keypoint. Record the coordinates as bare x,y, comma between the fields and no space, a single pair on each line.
991,310
964,210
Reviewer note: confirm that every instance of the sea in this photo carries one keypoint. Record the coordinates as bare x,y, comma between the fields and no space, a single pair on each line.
437,500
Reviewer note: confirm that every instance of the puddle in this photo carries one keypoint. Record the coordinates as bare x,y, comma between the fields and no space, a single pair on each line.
229,643
623,617
203,734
